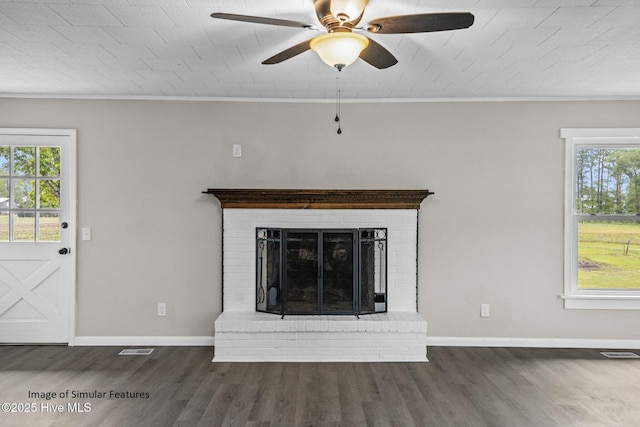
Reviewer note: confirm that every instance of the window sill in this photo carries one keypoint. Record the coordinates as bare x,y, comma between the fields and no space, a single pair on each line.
601,302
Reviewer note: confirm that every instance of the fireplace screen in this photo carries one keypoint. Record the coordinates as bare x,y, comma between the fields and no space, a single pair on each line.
321,271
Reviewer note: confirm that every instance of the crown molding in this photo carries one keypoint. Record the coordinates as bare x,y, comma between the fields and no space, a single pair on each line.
168,98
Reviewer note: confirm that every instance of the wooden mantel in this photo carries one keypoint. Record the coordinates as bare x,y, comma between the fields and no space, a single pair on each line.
319,199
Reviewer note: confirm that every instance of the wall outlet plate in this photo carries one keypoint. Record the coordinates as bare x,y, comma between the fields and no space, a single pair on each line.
485,310
162,309
86,233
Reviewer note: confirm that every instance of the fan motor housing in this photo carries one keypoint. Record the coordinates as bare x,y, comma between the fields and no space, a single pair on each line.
329,21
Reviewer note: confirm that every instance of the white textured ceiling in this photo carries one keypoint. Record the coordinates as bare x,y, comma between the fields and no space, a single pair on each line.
172,48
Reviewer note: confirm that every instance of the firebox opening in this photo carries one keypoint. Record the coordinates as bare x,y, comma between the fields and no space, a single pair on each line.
321,271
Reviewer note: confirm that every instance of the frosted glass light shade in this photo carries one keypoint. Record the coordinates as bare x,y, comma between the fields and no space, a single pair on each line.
339,49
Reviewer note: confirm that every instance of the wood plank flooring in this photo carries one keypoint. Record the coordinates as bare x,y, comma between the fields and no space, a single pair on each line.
458,387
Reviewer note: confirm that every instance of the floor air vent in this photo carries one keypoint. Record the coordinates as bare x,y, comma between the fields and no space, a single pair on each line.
620,355
136,352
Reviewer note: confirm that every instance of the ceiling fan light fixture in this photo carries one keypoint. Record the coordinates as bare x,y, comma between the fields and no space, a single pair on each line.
348,10
339,49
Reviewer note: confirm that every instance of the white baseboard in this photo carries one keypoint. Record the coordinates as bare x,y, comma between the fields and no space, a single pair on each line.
193,341
532,342
138,341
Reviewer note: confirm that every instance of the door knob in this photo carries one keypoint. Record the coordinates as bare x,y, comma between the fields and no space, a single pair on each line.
64,251
64,225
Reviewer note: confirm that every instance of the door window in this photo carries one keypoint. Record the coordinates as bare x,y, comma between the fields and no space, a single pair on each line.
29,193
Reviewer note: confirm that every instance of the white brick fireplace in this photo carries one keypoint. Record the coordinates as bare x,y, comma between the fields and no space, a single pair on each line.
243,334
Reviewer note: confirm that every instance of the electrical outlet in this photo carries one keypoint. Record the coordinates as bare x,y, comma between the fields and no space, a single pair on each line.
162,309
237,150
485,310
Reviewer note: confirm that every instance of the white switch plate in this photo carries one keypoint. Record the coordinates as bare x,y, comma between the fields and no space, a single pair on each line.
237,150
162,309
485,310
86,233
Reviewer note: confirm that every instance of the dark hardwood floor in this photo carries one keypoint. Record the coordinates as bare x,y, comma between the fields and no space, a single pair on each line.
180,386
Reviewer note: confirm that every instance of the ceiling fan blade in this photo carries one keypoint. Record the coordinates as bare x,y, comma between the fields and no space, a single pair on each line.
289,53
261,20
422,23
378,56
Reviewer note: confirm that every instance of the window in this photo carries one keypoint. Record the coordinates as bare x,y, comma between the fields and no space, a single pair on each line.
602,218
29,193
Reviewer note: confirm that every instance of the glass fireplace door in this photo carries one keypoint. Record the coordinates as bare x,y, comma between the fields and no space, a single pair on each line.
338,280
320,274
321,271
301,272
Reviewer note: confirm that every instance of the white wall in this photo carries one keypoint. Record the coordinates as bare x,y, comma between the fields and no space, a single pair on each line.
492,233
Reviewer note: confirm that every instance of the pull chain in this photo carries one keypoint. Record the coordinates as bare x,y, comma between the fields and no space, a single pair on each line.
338,115
337,119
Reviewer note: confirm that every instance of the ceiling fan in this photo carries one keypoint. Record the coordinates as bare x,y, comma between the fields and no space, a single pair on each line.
340,45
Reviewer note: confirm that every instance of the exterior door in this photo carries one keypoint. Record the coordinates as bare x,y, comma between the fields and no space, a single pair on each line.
37,236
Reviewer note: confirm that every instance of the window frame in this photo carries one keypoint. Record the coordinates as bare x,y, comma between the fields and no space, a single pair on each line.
575,298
